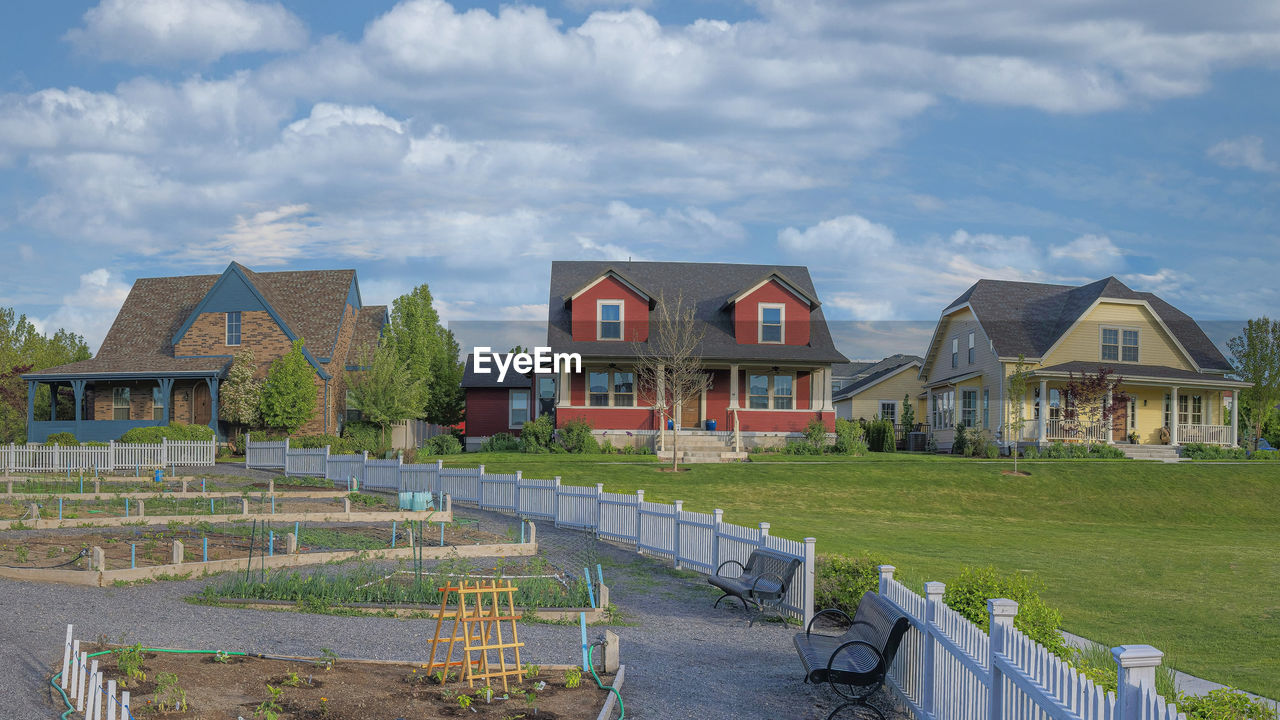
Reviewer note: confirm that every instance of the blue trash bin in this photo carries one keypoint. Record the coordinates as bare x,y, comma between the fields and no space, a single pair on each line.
159,475
711,425
671,424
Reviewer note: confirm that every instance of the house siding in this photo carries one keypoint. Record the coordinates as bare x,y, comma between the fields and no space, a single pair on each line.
1084,341
866,403
958,326
488,412
746,315
635,311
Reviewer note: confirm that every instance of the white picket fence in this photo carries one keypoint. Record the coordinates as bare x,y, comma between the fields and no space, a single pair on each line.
947,668
691,540
112,457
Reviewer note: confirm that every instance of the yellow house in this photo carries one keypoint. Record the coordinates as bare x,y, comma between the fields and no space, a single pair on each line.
1175,376
882,391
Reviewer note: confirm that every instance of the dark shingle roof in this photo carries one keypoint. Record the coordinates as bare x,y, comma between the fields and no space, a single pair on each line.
878,371
849,369
310,302
472,379
1023,318
1158,372
369,325
707,286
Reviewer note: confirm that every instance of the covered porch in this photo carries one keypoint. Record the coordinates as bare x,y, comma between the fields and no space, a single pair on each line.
1162,410
99,407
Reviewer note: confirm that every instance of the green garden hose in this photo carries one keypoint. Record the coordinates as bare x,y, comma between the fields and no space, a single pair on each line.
71,708
592,667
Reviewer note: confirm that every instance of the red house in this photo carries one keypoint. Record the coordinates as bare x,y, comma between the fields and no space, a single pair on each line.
766,346
501,406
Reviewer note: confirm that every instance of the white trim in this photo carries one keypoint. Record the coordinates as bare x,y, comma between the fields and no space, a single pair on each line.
955,353
528,393
769,391
773,277
973,352
782,323
611,386
880,406
1120,329
622,316
1118,301
615,276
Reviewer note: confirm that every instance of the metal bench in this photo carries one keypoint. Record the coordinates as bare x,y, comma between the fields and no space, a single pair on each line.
763,581
854,664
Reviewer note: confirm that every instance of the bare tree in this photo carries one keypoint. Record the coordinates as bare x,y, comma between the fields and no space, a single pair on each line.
668,366
1018,381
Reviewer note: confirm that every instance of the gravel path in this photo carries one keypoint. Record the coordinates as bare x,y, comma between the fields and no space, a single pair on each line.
684,660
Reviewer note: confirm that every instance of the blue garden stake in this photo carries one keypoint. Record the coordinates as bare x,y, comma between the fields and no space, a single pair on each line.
133,555
393,534
81,484
201,484
522,532
59,508
206,549
210,506
271,543
590,593
441,534
126,507
582,621
273,504
296,536
599,574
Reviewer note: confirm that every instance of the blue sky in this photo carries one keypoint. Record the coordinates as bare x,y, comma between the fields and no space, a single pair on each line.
899,149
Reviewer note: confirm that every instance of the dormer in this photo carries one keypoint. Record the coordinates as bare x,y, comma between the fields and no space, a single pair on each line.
610,308
772,311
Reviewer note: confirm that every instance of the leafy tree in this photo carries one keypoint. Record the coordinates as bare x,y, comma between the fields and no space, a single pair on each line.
1255,356
1092,399
1018,381
240,396
908,414
24,349
386,392
289,394
430,352
445,401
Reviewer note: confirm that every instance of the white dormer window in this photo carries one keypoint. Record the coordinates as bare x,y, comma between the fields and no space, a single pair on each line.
771,317
971,347
1119,344
609,320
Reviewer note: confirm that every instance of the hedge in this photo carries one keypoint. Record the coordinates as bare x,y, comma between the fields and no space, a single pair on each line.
173,431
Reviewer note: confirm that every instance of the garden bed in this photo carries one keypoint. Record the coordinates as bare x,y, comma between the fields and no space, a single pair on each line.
214,688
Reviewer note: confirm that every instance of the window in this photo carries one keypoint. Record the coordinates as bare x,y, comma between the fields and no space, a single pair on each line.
986,409
955,353
970,348
969,408
1190,410
1055,403
1129,349
546,395
610,325
599,388
233,328
612,388
120,403
771,323
889,411
1167,403
1133,413
1118,344
352,409
944,405
770,391
157,404
519,408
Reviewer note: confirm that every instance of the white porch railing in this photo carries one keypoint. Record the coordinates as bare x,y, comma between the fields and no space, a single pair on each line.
947,668
1208,434
112,457
692,540
1065,430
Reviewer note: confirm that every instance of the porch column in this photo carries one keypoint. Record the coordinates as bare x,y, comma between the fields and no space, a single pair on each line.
733,387
1173,416
53,401
562,387
31,404
1235,422
77,387
213,404
1110,431
1042,404
166,395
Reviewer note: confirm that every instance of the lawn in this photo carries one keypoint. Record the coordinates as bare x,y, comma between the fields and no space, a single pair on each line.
1183,557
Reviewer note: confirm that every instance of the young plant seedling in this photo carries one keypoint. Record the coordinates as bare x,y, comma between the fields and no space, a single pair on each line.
531,671
572,677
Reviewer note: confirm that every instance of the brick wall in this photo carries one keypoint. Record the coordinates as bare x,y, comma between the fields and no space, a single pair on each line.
208,336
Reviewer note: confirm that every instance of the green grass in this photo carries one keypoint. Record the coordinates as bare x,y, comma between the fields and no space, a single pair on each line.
1179,556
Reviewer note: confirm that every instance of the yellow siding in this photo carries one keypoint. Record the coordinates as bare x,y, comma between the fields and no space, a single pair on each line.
866,404
1084,341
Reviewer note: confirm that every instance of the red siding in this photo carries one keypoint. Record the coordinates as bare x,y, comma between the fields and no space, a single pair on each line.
635,312
488,412
718,400
610,418
801,399
746,315
782,420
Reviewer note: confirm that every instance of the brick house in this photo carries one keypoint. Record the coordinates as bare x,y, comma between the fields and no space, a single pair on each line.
765,344
175,337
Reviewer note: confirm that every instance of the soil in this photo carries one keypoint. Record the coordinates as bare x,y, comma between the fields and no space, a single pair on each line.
154,546
162,506
350,691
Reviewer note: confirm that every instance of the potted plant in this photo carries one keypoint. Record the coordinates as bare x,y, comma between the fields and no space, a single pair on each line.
1133,437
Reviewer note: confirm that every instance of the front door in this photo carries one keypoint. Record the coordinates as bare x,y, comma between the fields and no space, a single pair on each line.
691,412
1120,424
200,404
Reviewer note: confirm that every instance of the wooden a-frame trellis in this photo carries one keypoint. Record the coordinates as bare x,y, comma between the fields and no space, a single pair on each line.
481,624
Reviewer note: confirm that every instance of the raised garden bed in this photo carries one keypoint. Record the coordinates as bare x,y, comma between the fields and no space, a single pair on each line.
211,688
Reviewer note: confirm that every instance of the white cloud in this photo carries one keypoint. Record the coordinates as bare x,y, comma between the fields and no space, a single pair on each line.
844,235
165,31
90,308
1091,253
270,237
1244,152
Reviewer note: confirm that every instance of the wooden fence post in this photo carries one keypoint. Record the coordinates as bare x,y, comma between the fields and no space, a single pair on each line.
1000,612
555,502
715,539
179,552
97,559
764,533
142,508
1135,675
639,517
675,541
933,592
244,506
515,494
810,578
66,660
164,451
886,574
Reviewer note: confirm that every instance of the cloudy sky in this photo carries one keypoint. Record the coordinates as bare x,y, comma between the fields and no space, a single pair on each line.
899,148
